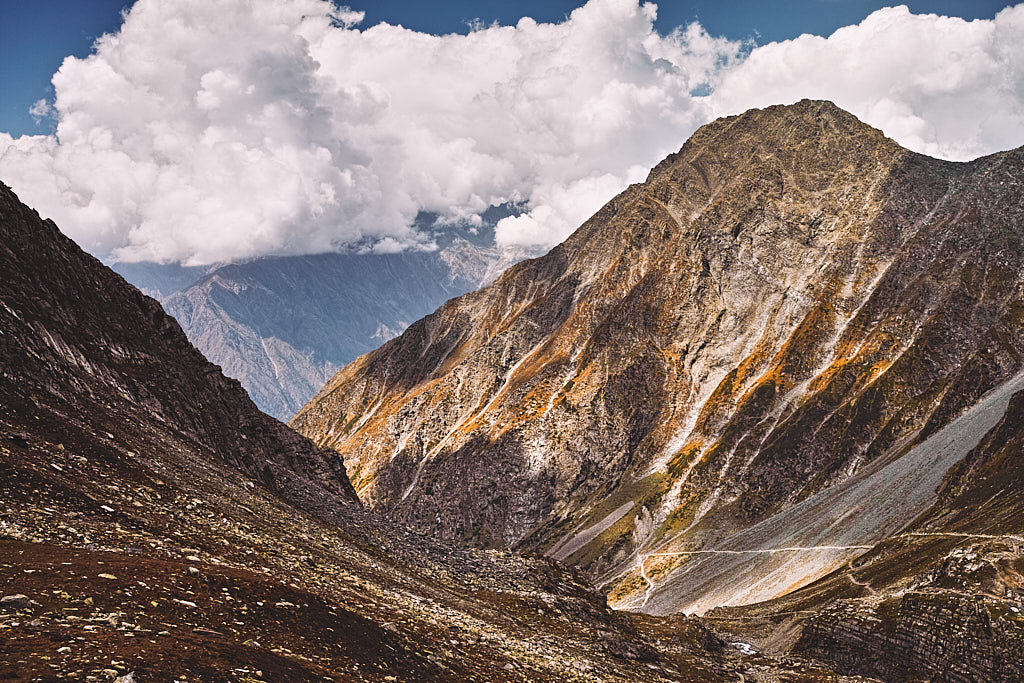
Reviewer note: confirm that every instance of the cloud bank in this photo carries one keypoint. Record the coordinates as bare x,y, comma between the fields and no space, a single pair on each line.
941,86
206,132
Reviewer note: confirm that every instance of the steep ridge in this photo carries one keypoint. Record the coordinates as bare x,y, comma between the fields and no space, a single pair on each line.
153,521
284,325
789,300
116,345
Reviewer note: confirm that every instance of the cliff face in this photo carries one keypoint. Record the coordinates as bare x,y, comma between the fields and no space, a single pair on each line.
790,301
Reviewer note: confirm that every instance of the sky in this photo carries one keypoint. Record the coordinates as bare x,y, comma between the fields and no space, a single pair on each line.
38,34
201,131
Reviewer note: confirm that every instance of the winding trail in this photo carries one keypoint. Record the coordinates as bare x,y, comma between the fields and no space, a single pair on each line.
857,582
788,549
642,560
956,534
874,505
650,584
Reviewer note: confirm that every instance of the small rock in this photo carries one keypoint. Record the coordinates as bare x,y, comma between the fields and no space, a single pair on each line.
509,667
19,438
109,577
207,632
13,602
63,650
127,678
193,571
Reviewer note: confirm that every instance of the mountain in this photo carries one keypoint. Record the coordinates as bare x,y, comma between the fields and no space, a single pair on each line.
160,280
284,325
155,525
77,339
941,600
738,377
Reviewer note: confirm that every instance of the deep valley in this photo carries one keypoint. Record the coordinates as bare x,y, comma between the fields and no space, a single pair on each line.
760,418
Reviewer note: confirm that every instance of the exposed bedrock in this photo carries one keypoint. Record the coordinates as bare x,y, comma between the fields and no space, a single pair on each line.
790,302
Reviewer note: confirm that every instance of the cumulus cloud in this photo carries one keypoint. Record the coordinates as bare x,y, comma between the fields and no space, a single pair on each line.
212,131
938,85
205,132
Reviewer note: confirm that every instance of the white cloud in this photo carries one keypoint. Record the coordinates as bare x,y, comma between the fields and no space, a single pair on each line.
40,110
938,85
206,132
560,208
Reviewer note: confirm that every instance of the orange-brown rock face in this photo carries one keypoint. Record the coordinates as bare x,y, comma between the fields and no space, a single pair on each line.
789,302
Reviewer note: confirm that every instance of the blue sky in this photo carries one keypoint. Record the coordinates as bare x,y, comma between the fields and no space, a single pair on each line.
36,35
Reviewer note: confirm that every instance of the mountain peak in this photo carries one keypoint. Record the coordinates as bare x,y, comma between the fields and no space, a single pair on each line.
812,129
808,116
745,329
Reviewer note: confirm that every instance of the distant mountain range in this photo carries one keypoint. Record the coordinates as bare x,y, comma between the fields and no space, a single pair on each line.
284,325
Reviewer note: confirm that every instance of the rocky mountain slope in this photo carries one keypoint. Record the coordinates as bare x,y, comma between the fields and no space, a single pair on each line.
771,352
942,600
77,339
154,525
284,325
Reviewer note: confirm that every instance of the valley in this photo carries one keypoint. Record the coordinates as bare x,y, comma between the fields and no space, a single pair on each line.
759,418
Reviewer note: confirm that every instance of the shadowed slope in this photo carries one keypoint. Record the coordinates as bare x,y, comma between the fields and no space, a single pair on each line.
77,338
